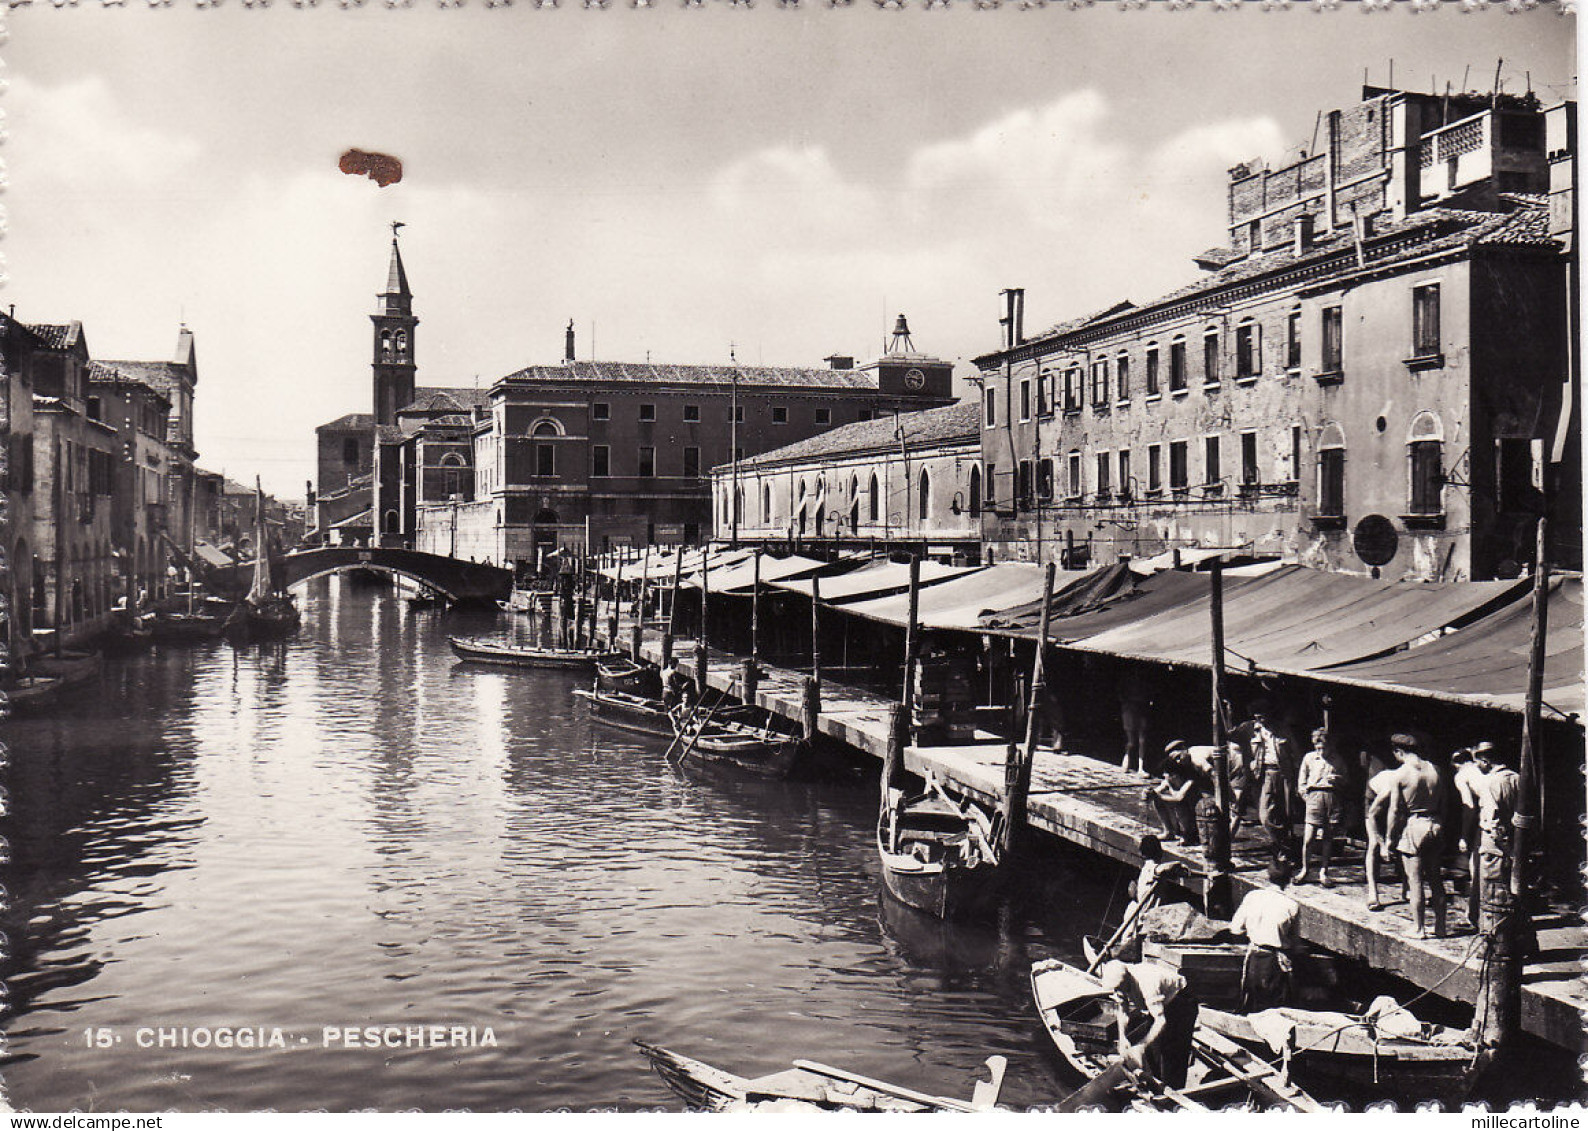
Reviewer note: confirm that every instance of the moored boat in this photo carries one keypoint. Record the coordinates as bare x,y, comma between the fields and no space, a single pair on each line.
477,651
29,694
619,673
744,739
807,1086
1080,1017
627,712
938,854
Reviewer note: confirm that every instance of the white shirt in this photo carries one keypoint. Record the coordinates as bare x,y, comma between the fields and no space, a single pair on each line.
1157,984
1267,917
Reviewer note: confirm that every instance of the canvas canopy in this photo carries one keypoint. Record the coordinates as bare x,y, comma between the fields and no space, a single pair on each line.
739,576
961,602
875,580
1485,663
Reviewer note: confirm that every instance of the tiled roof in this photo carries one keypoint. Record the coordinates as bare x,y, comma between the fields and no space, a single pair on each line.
426,397
351,420
1442,229
54,337
649,374
163,376
104,373
947,424
389,434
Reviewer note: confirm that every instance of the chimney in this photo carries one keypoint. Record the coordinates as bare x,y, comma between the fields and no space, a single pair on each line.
1014,317
567,344
1303,232
839,361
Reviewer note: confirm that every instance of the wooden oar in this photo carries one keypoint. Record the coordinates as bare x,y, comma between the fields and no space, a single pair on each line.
700,730
879,1086
1094,961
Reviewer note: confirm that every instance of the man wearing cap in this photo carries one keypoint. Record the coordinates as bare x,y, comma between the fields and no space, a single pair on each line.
1416,829
1271,758
1157,990
1269,919
1495,793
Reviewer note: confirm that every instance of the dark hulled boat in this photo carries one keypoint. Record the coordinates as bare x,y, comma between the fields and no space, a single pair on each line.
938,854
477,651
742,738
638,713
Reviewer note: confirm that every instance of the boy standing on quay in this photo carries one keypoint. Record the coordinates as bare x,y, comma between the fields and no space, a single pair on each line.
1322,776
1417,830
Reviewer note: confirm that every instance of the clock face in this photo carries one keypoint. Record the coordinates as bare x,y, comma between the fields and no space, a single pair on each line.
914,379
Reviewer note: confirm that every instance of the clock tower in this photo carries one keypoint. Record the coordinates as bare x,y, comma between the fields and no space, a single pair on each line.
902,371
394,341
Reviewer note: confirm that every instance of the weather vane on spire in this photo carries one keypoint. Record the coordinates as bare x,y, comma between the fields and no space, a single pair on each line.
395,224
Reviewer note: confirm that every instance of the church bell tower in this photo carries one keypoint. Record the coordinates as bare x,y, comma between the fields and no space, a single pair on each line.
394,341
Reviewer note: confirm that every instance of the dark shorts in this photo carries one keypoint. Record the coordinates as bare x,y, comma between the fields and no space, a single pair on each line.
1323,808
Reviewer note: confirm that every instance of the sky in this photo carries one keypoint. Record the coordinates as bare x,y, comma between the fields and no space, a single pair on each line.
679,183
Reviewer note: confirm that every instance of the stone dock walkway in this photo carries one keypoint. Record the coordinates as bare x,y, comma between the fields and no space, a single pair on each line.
1099,806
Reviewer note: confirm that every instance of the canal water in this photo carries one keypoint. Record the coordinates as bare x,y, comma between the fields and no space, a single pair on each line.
352,830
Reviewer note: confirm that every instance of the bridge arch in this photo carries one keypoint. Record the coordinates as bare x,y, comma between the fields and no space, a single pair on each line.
458,580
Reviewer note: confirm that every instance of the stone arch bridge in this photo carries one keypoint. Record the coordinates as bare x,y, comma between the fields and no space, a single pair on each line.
457,580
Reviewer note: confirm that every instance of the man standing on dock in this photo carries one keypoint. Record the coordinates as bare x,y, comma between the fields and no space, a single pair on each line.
1272,759
1417,830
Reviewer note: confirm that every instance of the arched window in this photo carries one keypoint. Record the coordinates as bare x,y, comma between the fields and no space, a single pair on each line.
738,505
924,494
854,487
452,459
766,503
393,523
854,515
873,504
821,519
975,492
385,344
402,343
1331,472
547,428
1425,452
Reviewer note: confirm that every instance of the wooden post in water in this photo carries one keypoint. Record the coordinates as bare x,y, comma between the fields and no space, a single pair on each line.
615,608
1499,1004
755,611
1216,842
700,642
1018,762
812,698
893,752
912,633
672,606
637,629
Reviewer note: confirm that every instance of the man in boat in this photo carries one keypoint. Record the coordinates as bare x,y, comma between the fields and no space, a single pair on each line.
675,685
1322,778
1156,990
1417,828
1269,919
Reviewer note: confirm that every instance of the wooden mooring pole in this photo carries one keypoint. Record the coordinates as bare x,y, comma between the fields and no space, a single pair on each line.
672,607
1216,843
637,629
1018,760
1498,1017
812,698
700,641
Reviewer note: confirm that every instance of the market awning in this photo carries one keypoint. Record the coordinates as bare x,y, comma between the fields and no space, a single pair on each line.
961,602
1485,663
1074,592
1301,620
214,558
661,568
875,580
739,577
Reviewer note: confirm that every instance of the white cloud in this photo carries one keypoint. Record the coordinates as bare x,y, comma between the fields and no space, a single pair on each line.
78,133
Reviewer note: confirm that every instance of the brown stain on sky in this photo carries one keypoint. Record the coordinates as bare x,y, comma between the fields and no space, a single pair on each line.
378,167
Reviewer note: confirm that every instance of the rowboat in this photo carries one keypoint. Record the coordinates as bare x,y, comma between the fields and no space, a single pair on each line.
1369,1054
478,651
1080,1017
32,693
628,712
807,1086
742,739
618,673
937,852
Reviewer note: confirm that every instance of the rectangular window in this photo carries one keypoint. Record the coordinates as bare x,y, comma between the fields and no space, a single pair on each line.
738,454
600,461
691,414
1045,480
1104,465
1154,468
824,416
1072,390
1099,382
992,484
1331,483
1428,477
647,412
545,459
1211,370
1122,377
1425,320
1212,473
600,410
1293,341
1295,453
1025,400
350,450
1179,475
779,414
647,462
1333,344
1152,372
1514,473
738,414
691,463
992,409
1044,400
1077,488
1249,472
1023,486
1248,350
1124,475
1176,366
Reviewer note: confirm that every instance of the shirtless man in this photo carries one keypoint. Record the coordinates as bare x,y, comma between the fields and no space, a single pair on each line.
1418,796
1376,814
